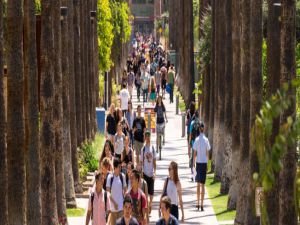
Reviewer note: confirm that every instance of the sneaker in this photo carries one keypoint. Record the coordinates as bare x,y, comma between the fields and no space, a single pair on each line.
202,209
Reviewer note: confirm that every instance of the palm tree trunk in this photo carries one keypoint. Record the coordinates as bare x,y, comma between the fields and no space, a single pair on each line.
77,72
287,203
48,191
58,115
73,119
69,182
226,172
212,77
273,83
77,79
245,114
236,103
220,71
255,101
3,153
15,114
31,116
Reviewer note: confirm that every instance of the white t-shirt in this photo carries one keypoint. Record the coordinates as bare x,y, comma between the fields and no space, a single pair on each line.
119,143
201,146
124,96
116,191
172,192
148,157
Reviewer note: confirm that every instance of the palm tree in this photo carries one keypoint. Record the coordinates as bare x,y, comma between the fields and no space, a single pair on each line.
287,203
236,103
255,100
77,72
220,71
47,133
273,83
69,182
3,164
73,119
245,114
32,116
226,172
58,114
15,114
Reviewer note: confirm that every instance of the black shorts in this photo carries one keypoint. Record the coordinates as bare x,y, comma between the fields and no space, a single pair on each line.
150,184
163,84
201,169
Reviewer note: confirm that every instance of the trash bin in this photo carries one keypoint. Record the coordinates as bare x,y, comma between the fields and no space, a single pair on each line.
100,115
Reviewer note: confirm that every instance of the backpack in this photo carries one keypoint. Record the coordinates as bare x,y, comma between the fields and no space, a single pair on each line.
105,203
121,177
195,129
165,188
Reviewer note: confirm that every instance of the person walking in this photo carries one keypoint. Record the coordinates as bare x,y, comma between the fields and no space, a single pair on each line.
139,128
194,133
130,82
171,79
116,186
138,197
161,118
148,165
119,141
110,128
127,218
145,78
157,76
201,149
130,116
172,189
124,98
165,208
99,204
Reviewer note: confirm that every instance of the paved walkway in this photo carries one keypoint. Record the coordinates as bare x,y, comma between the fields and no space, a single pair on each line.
174,149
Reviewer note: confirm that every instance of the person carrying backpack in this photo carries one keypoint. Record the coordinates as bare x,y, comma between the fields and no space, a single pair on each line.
148,165
138,197
99,203
194,133
116,186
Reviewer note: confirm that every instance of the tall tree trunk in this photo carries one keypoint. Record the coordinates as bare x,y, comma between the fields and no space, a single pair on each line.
58,114
73,119
3,153
273,83
236,103
256,39
69,182
212,78
220,71
96,58
83,69
77,103
245,115
77,72
15,114
287,203
226,172
33,198
48,187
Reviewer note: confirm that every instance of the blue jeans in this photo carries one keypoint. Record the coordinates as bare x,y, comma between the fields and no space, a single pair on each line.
145,95
171,92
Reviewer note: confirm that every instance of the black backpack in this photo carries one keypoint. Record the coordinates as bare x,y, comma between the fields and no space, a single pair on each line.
121,177
195,129
105,203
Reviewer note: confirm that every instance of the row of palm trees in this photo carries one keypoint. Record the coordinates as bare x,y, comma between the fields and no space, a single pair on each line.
52,81
233,97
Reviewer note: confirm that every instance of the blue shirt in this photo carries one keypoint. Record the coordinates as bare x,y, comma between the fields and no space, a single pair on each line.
172,221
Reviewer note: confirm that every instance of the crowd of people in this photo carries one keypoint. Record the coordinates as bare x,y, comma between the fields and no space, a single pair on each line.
124,184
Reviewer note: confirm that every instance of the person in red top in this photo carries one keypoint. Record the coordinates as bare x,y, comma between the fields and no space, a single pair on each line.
139,199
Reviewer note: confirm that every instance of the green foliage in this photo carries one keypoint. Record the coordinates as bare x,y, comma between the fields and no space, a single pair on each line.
203,58
38,7
271,154
78,212
105,34
115,92
264,68
121,20
298,76
101,88
198,89
196,8
89,155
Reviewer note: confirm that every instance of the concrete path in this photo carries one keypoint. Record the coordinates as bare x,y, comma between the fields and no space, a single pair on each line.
175,148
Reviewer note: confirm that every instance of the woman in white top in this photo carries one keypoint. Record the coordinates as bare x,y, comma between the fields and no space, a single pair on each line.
172,189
